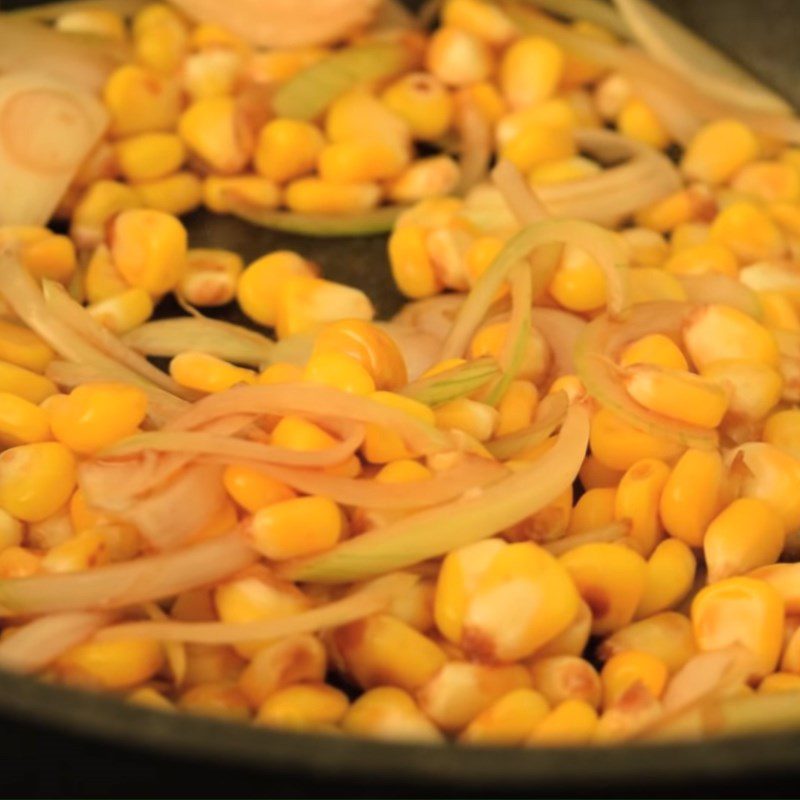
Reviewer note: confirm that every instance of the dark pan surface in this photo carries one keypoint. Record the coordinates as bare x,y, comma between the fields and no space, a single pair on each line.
61,742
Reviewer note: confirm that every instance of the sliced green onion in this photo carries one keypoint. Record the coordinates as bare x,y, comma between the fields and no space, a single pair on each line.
460,381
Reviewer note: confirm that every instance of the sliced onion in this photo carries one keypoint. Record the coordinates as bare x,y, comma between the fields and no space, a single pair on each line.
50,12
596,11
169,337
595,362
475,142
549,415
436,531
175,651
127,583
524,203
613,532
460,381
601,245
432,315
561,330
672,44
681,123
371,599
42,641
418,348
721,289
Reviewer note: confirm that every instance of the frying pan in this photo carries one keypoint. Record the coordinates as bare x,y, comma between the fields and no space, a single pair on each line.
62,742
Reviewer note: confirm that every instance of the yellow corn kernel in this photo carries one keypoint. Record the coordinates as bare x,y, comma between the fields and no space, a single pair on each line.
579,283
358,114
479,18
102,279
748,232
772,181
222,195
212,72
701,259
205,373
287,149
549,523
303,707
473,592
669,578
746,535
317,196
741,611
276,66
382,445
579,71
11,531
655,349
508,721
461,690
215,700
100,204
692,495
96,415
490,340
530,71
596,475
572,641
140,101
36,480
176,194
306,303
24,383
295,659
297,527
148,697
677,394
685,205
340,371
411,266
361,161
753,389
574,168
485,96
50,532
389,713
210,276
790,657
554,113
94,21
611,579
782,429
779,311
457,57
625,669
689,234
22,347
476,419
296,433
423,102
784,579
717,333
85,550
369,647
123,312
21,422
635,711
779,682
110,665
253,490
572,722
719,150
160,37
536,144
594,509
566,677
149,249
618,445
516,408
771,475
447,248
18,562
403,470
423,179
611,94
214,130
639,122
280,372
149,156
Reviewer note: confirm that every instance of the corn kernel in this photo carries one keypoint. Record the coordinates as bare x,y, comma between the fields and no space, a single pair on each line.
22,347
110,665
530,71
655,349
516,408
508,721
403,471
636,710
624,669
572,641
303,707
771,181
160,38
205,373
572,722
149,156
716,333
566,677
412,270
225,194
340,371
425,178
457,57
123,312
287,149
102,279
669,577
681,207
476,419
748,232
96,415
538,144
423,102
639,122
276,66
611,579
779,682
210,277
11,531
211,73
490,340
141,101
21,422
17,562
317,196
719,150
389,713
215,700
176,194
651,284
553,113
701,259
253,490
382,445
596,475
594,509
358,114
486,98
97,207
754,389
479,18
579,283
779,311
148,697
782,429
83,551
741,611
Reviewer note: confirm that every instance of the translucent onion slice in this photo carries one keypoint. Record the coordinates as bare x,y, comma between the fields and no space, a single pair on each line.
722,289
168,337
50,12
175,651
476,516
371,599
460,381
600,244
596,11
549,415
595,362
40,642
475,142
127,583
311,91
561,330
694,59
432,315
613,532
366,223
47,128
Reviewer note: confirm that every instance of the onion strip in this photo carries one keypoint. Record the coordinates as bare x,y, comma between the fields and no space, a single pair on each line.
613,532
562,331
436,531
721,289
459,381
475,146
549,416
